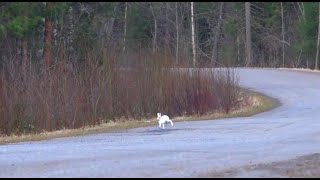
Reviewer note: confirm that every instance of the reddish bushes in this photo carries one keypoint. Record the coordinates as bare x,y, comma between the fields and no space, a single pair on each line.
99,90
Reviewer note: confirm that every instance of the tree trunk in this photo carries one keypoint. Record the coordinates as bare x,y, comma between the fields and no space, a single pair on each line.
154,42
24,56
318,42
193,37
70,25
282,35
214,57
177,34
303,11
48,37
238,48
109,29
125,27
154,45
248,34
167,31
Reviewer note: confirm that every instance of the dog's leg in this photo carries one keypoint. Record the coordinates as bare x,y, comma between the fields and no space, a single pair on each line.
171,123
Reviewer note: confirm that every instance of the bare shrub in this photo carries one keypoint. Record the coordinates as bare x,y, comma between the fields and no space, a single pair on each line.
71,95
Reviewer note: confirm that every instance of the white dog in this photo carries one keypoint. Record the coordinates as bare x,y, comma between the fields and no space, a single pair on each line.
163,120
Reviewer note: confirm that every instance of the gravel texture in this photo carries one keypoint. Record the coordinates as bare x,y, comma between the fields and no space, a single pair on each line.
256,146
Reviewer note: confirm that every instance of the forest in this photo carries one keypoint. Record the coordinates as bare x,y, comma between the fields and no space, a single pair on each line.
72,64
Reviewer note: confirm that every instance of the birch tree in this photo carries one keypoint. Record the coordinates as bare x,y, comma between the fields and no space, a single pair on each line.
193,36
125,27
248,34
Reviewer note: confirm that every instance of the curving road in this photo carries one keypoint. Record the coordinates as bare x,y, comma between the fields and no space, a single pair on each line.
189,148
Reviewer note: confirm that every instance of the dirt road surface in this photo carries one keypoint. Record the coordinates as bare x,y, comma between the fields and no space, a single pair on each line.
283,142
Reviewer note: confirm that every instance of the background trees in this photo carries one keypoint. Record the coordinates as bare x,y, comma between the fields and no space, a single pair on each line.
282,33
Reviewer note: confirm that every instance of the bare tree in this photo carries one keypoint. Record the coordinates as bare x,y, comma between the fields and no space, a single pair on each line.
301,8
318,42
177,34
248,34
214,57
125,27
166,30
154,42
48,36
25,59
193,37
238,48
70,29
282,34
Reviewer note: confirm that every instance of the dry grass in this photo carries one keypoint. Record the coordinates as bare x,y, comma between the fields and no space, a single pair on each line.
255,103
302,69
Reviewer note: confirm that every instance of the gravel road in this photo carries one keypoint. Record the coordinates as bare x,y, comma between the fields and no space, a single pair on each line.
239,147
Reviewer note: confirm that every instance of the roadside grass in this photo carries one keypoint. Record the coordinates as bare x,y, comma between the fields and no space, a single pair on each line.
301,69
258,103
255,103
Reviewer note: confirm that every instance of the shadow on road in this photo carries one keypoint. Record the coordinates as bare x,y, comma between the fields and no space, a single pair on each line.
159,131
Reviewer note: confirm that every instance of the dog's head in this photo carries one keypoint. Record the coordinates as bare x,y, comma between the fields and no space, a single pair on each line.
159,115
